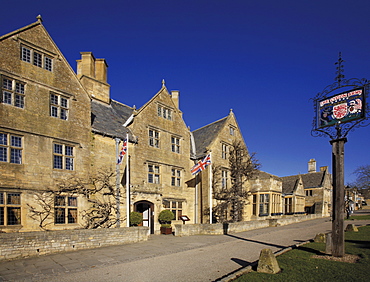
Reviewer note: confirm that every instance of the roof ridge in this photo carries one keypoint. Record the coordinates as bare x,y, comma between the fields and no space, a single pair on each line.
133,108
210,123
38,22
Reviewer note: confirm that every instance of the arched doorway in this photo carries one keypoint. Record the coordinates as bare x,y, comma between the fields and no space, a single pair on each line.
147,210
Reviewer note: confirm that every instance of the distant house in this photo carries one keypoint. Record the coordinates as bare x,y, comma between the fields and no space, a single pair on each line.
317,187
266,190
293,195
353,194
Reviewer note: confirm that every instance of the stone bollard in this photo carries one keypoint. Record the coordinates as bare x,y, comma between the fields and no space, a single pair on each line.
320,238
267,262
351,227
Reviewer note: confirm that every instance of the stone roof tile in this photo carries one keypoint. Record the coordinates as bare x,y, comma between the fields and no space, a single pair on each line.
109,119
204,136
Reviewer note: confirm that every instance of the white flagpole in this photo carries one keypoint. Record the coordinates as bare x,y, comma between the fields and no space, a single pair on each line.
127,185
118,215
210,190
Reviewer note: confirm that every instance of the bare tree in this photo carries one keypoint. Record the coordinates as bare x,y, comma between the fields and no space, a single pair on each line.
362,182
44,211
242,167
220,194
102,196
99,192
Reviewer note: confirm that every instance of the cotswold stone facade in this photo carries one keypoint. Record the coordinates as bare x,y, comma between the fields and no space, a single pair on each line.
44,125
217,139
59,129
267,201
316,188
58,126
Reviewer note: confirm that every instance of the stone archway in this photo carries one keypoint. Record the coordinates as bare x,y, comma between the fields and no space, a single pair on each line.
146,208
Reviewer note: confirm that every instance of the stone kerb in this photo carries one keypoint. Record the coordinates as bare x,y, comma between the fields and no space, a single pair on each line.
27,244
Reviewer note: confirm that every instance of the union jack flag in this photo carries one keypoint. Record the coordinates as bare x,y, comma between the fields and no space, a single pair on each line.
122,152
201,165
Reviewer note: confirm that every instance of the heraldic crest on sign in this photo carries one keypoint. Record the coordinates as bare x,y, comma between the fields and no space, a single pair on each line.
341,106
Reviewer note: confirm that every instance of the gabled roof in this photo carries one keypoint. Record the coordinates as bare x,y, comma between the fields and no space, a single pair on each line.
265,175
38,22
313,179
109,119
290,184
162,90
204,136
310,180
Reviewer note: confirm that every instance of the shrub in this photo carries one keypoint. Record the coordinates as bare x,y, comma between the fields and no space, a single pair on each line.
136,218
166,216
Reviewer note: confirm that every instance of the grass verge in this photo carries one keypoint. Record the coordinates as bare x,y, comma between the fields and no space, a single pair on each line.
359,217
299,264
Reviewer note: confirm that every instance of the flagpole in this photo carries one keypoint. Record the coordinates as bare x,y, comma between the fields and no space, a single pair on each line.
127,185
210,190
196,200
118,214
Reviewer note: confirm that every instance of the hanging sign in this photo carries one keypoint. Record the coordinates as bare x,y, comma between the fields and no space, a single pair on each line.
342,107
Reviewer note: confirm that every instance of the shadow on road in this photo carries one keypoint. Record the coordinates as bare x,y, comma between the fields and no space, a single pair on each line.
242,263
258,242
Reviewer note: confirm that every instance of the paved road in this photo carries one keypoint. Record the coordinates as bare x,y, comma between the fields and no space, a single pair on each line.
165,257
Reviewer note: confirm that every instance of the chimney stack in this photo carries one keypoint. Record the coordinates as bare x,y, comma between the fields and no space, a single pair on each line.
312,166
93,75
86,66
175,94
101,68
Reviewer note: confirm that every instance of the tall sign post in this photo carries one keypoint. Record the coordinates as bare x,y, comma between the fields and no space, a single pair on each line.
338,205
340,108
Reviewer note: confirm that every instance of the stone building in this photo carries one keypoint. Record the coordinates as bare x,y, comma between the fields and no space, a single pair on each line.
217,139
317,187
266,192
60,133
58,126
158,147
160,161
44,128
293,195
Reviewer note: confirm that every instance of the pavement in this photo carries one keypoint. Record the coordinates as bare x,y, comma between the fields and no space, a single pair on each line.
168,258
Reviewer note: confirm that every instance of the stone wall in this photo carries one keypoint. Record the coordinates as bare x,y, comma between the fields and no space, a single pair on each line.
27,244
219,228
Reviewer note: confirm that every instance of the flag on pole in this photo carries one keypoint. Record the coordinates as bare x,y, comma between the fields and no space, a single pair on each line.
201,165
123,151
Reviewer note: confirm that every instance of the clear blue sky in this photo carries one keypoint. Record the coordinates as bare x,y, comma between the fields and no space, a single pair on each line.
263,59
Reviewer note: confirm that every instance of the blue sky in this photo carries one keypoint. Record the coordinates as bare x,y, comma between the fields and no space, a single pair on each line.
263,59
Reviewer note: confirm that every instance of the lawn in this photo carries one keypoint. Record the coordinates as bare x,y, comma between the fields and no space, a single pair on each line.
359,217
298,264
